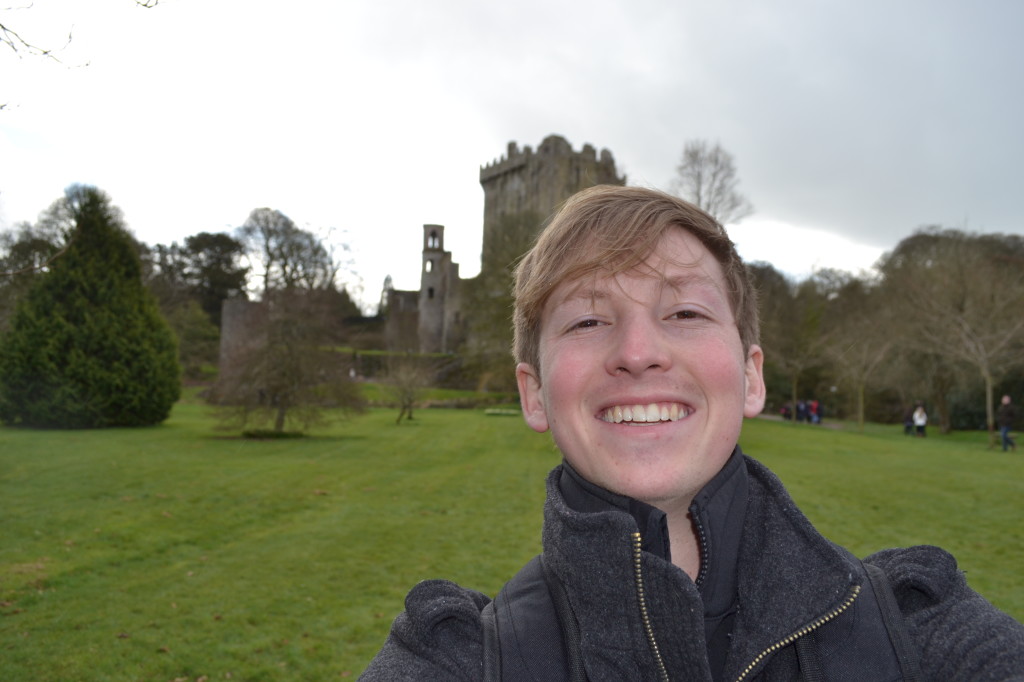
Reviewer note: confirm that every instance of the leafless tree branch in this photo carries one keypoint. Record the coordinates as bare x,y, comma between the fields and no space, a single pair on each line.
13,40
20,45
36,268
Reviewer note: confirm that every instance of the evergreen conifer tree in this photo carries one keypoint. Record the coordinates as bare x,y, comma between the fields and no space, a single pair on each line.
87,347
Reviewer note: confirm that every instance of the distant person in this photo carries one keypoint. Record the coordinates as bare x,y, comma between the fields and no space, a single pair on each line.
1005,416
920,420
668,553
908,422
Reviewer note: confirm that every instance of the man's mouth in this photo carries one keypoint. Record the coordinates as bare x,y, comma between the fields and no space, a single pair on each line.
644,414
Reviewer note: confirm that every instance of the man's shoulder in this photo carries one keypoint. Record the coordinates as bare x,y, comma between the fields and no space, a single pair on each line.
437,637
924,578
433,603
925,569
961,634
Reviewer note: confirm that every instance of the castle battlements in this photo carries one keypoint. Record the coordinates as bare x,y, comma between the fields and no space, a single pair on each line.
552,147
512,160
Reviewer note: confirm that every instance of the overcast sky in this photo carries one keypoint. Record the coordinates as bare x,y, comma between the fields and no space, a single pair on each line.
852,123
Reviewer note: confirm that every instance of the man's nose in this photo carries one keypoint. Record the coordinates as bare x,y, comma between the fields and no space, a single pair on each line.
640,346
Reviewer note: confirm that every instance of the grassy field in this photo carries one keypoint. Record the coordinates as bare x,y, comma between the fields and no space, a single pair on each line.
180,553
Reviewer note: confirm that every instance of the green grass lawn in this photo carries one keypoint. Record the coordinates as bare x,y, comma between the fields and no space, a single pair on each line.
177,552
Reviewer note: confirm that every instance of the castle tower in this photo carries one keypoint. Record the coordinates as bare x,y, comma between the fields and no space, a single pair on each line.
438,304
521,192
523,189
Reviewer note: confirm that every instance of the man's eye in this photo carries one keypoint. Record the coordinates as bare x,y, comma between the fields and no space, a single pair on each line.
586,324
686,315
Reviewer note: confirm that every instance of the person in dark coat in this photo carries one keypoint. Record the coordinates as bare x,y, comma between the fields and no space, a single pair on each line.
668,553
908,422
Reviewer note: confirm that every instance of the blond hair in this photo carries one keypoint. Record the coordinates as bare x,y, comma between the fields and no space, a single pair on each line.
610,229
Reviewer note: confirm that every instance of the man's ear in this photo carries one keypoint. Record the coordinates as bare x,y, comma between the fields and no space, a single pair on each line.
754,375
531,398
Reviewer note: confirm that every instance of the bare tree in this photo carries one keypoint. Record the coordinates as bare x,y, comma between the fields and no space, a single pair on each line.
288,256
706,176
858,334
408,376
283,368
286,372
962,295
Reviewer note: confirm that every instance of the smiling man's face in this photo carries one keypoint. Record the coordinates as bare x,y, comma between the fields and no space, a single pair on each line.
643,380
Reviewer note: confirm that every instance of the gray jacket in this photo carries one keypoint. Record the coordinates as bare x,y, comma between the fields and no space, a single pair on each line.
789,582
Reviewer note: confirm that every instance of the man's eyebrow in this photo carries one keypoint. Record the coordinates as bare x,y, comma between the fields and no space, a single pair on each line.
591,291
583,291
691,279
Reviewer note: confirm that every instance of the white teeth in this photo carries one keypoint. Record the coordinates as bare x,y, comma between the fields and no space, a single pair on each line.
639,414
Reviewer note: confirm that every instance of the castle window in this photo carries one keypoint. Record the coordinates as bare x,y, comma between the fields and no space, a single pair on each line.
429,265
430,292
433,241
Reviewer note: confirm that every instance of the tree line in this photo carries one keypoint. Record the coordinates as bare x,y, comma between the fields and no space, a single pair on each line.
940,320
87,311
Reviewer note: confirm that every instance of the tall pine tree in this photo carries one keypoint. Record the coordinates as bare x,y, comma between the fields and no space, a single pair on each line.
87,347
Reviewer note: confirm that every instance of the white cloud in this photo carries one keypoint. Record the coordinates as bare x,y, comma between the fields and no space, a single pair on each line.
800,251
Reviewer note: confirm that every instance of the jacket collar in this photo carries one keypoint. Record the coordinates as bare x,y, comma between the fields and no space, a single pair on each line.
583,496
786,574
716,512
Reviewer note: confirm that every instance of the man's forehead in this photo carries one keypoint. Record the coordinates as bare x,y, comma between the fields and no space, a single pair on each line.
604,285
678,260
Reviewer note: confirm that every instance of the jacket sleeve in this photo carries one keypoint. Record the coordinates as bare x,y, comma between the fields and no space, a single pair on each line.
437,637
959,634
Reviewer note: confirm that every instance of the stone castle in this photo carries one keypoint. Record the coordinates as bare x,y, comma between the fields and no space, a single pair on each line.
522,190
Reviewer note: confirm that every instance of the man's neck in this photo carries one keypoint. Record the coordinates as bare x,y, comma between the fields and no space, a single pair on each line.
683,540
